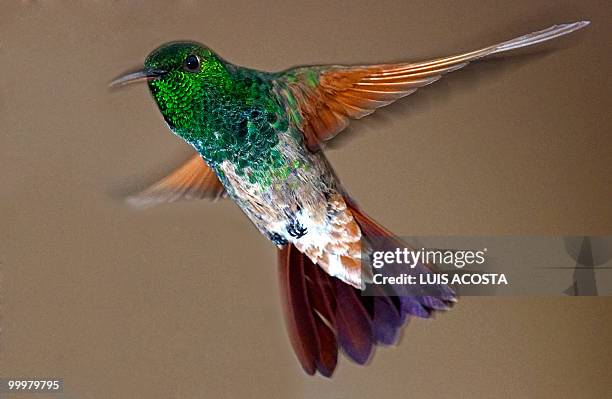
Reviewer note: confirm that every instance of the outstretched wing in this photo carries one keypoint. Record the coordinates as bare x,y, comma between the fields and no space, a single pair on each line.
193,180
322,99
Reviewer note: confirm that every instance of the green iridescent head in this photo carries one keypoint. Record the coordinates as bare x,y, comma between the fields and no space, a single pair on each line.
184,76
224,111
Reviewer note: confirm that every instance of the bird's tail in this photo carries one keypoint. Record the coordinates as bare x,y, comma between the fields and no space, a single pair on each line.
324,315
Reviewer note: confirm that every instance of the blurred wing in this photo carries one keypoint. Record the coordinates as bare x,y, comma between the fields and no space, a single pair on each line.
322,99
193,180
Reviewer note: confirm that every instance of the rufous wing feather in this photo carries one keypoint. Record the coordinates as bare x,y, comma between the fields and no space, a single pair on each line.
323,99
193,180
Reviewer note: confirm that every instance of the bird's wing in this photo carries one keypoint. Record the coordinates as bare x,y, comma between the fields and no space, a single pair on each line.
193,180
322,99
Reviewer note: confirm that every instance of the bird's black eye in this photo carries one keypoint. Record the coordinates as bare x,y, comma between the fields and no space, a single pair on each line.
192,63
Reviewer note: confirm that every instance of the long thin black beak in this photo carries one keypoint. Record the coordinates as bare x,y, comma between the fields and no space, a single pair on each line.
135,77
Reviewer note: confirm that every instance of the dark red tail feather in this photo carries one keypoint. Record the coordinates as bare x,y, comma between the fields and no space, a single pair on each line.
324,314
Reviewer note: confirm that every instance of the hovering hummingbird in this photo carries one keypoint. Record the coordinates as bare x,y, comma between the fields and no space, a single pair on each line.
258,139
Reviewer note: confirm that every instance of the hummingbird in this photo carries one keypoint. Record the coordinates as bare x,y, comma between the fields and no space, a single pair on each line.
258,139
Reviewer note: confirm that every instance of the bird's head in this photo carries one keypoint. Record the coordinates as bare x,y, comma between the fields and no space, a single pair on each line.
182,76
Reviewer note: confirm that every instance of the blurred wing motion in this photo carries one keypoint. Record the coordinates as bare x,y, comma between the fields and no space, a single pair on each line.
324,315
193,180
322,99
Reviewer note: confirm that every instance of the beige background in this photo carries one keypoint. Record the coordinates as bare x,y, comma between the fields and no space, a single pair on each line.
181,301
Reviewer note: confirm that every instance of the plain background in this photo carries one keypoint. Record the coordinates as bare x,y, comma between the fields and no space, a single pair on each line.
181,301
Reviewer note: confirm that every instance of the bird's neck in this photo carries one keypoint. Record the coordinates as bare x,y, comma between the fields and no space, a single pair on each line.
234,118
